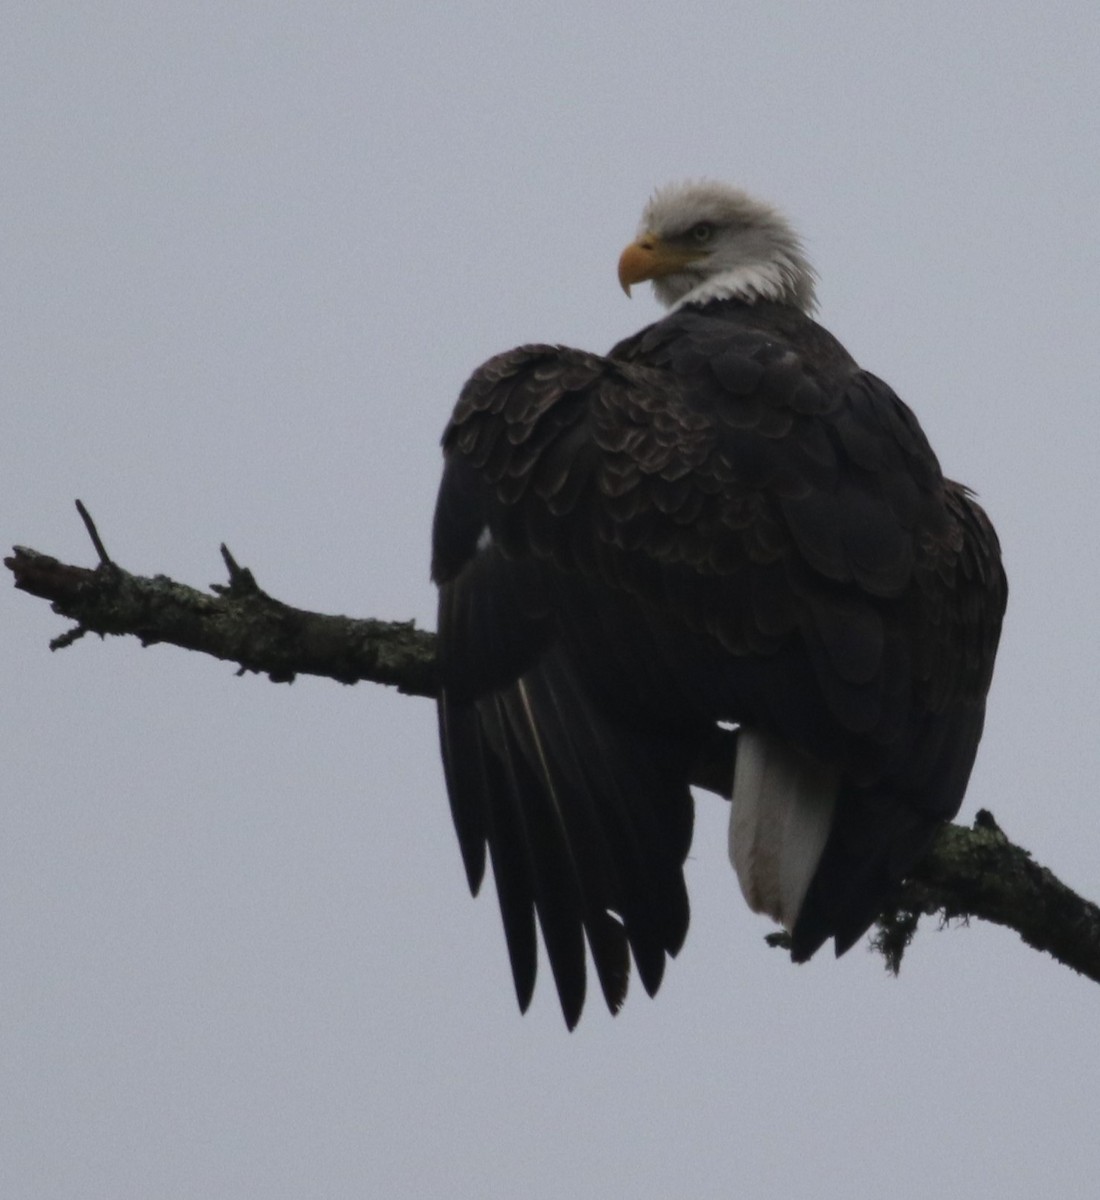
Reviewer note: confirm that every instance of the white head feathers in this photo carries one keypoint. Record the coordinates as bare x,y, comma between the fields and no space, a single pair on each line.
747,250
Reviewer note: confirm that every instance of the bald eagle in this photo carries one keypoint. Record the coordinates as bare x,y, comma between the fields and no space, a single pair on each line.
722,553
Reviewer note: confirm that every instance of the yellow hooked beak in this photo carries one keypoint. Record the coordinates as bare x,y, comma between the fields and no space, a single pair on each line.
650,258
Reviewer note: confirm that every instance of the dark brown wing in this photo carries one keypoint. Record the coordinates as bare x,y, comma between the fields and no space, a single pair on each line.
725,520
587,817
888,817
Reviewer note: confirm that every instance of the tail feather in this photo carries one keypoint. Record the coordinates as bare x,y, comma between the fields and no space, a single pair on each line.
780,818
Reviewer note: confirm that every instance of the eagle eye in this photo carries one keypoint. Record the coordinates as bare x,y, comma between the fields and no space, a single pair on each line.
701,232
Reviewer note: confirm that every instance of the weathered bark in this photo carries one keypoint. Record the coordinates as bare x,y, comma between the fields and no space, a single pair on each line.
974,872
237,622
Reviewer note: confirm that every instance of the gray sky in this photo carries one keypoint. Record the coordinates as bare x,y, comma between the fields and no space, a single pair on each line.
250,253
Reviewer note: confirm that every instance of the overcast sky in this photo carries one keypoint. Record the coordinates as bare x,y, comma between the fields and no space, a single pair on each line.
249,254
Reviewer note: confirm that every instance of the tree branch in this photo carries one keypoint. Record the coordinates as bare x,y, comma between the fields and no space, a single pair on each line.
974,872
239,623
978,872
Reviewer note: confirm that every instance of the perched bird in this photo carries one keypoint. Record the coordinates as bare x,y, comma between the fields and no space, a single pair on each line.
722,553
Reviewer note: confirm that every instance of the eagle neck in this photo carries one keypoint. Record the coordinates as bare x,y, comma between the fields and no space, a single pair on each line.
782,281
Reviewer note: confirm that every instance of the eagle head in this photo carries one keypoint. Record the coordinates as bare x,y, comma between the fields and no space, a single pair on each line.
702,241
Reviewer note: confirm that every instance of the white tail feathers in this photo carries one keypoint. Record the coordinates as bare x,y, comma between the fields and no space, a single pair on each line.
782,811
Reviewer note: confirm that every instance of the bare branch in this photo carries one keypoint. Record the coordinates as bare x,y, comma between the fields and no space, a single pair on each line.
239,623
93,533
968,873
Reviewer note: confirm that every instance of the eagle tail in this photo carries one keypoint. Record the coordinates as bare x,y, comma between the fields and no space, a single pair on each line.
780,819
